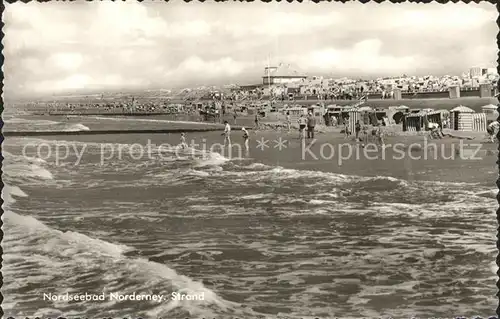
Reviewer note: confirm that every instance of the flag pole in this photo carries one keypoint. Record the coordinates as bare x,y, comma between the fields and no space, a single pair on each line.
269,77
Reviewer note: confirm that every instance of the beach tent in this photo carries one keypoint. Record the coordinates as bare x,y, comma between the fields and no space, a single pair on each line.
402,108
461,118
296,112
354,117
364,114
415,122
479,122
489,108
436,116
365,109
491,112
396,114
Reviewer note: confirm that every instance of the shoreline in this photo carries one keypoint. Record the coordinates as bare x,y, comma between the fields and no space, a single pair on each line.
111,132
425,160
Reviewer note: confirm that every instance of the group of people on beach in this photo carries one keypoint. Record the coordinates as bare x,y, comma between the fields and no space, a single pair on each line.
227,137
362,133
309,122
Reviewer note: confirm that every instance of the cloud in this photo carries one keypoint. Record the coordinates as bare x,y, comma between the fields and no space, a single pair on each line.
51,47
280,24
363,57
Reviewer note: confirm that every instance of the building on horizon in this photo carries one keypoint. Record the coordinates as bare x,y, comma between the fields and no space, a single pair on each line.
475,72
492,71
282,74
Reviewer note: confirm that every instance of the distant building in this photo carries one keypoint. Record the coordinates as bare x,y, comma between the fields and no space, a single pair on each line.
282,74
491,71
249,87
475,72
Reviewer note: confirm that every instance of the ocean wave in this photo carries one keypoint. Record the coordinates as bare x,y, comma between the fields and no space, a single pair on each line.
257,166
211,159
390,179
44,125
8,194
29,240
75,127
9,157
353,182
30,172
489,193
122,119
194,172
33,122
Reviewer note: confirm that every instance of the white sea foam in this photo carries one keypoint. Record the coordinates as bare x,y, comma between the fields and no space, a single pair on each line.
75,127
257,166
85,258
45,125
11,158
211,159
257,196
8,194
197,173
33,122
33,171
489,193
121,119
72,250
391,179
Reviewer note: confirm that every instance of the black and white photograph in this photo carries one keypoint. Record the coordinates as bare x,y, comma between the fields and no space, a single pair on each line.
303,160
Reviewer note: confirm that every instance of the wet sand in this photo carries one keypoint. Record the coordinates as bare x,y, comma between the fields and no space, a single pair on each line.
448,159
405,157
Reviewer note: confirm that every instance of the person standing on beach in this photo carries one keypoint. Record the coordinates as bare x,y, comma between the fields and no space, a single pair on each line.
183,144
365,135
311,123
217,116
227,134
434,130
493,129
302,126
347,131
380,135
357,129
334,121
245,139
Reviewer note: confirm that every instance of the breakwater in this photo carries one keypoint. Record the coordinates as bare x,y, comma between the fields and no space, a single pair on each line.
108,132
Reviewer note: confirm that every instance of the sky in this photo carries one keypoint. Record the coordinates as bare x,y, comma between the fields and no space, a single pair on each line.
56,47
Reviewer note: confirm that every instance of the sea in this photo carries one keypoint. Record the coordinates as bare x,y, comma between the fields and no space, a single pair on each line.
259,239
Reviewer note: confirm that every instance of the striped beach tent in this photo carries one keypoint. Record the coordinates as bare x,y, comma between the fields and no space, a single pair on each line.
479,122
354,116
461,118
